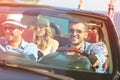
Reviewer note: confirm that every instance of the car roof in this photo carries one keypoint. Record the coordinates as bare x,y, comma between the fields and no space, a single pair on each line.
33,7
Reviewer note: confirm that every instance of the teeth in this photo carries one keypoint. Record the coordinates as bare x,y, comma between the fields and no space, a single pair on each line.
75,37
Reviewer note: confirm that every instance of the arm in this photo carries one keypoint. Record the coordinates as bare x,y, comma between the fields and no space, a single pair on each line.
98,52
55,45
32,51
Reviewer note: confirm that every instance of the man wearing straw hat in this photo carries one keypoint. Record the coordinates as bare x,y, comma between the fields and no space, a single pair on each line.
13,40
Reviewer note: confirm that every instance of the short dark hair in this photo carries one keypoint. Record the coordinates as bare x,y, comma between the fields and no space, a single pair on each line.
79,21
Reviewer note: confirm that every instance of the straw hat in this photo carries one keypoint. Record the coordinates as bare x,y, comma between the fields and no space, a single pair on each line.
14,19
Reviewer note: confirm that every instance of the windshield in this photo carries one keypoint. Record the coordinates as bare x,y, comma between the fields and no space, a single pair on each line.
59,41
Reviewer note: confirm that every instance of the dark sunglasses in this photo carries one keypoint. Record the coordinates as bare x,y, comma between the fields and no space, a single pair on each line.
9,27
77,30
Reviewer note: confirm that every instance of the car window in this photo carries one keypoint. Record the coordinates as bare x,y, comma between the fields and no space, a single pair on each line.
60,27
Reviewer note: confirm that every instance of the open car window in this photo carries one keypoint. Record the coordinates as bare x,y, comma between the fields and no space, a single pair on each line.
59,24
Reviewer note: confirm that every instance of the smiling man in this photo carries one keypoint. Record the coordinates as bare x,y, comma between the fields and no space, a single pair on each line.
78,53
77,34
13,40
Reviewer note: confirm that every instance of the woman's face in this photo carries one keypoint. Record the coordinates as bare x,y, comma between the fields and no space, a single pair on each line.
40,31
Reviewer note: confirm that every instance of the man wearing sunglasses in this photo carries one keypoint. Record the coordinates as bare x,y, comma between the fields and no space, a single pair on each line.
78,53
77,34
13,40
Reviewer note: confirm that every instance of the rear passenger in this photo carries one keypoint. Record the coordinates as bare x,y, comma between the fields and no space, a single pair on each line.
95,35
44,37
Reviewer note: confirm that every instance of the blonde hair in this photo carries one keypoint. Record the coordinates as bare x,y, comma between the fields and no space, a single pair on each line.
46,40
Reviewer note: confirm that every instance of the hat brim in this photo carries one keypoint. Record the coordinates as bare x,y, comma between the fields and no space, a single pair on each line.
14,23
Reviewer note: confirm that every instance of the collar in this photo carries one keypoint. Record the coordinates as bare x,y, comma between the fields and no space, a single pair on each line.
78,46
22,46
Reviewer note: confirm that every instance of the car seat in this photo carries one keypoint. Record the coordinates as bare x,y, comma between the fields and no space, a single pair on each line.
91,37
28,35
62,40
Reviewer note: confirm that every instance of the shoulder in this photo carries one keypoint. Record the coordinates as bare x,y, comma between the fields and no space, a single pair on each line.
92,47
32,44
92,44
3,41
27,44
97,45
87,44
54,41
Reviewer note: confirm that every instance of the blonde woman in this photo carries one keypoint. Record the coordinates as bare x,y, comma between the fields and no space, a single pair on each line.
44,38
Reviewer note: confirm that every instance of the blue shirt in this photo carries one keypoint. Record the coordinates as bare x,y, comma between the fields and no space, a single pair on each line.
29,49
95,49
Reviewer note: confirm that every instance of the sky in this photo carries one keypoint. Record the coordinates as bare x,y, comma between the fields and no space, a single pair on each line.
101,5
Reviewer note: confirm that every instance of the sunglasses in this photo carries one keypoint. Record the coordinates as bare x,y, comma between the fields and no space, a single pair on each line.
10,27
77,30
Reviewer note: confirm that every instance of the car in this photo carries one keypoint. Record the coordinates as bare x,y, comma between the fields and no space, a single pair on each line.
18,67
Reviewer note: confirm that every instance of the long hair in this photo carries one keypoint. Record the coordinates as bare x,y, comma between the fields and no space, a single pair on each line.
46,40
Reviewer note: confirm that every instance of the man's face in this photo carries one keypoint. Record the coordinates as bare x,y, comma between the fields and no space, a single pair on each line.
12,32
77,33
